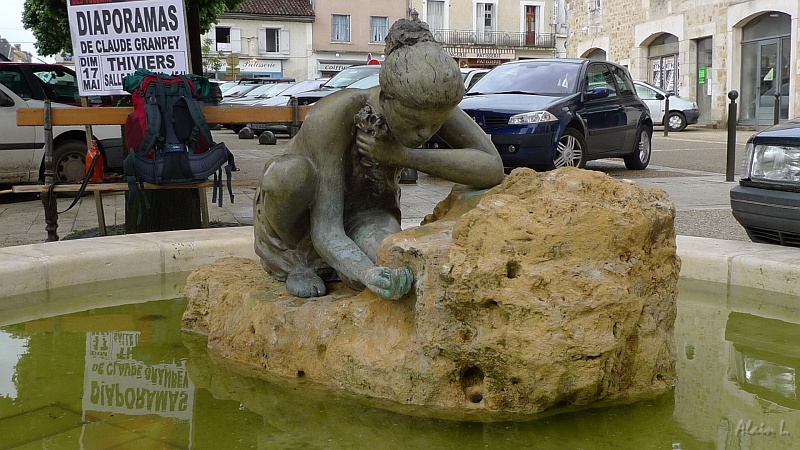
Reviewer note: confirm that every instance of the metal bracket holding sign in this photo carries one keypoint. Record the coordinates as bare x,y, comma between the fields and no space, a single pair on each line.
113,38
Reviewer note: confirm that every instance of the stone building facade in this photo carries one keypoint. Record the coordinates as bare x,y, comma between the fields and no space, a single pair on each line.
350,32
701,50
272,38
487,33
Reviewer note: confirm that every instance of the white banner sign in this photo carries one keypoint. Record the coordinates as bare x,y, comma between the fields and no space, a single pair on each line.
113,38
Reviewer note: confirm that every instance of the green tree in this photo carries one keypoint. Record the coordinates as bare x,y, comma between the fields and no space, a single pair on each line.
47,20
212,61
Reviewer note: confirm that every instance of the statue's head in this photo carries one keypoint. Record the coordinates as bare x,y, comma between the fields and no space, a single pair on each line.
420,83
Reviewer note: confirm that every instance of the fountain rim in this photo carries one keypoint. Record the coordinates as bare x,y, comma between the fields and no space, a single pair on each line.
36,267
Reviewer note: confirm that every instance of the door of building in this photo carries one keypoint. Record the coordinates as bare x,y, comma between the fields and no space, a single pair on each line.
530,26
766,57
764,67
704,78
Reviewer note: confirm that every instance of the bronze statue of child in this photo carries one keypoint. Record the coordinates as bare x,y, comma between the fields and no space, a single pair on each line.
324,205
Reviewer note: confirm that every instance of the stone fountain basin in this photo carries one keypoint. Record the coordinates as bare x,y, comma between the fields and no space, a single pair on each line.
41,267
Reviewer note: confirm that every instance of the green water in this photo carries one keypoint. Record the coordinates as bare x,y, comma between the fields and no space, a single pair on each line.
126,377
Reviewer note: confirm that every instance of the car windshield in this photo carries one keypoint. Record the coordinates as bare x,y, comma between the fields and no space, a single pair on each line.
227,85
365,83
267,90
349,76
302,86
534,77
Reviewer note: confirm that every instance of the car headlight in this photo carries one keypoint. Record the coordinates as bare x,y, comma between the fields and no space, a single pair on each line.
532,117
771,163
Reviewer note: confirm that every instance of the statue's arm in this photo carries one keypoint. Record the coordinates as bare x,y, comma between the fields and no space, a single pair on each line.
338,250
473,159
326,148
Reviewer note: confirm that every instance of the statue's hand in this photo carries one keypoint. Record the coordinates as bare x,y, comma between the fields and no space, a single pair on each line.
390,283
382,151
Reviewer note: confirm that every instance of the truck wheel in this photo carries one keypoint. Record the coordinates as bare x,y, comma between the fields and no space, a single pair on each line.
69,161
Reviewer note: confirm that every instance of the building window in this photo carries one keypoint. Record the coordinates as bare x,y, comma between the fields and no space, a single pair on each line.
436,15
485,22
272,41
378,27
663,60
340,28
223,38
486,16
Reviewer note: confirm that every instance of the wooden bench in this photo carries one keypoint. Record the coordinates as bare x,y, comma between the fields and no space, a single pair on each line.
99,188
88,116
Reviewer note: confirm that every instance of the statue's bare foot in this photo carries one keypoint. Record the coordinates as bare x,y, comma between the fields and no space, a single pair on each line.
305,284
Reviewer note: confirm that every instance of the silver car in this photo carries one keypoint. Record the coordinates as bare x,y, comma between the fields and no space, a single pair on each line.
22,147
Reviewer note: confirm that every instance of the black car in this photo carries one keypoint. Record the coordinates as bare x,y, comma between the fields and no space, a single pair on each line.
767,200
546,113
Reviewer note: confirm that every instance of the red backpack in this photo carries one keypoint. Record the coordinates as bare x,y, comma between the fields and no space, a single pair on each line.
167,136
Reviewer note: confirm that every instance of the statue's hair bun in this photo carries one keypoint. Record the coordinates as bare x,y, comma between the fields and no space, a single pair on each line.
405,33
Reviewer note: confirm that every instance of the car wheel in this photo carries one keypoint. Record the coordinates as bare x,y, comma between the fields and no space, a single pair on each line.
69,161
236,128
676,121
571,150
640,158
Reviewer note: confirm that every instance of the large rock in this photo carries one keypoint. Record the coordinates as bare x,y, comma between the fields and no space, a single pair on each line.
549,292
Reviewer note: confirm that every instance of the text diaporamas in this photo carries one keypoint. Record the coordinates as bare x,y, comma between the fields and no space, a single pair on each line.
113,38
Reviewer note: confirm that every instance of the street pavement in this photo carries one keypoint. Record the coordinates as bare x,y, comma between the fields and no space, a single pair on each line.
700,194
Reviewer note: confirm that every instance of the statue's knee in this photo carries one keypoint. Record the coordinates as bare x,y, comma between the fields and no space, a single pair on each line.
289,177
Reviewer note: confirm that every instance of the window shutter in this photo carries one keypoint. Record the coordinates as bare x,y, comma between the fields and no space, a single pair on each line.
236,40
262,40
284,41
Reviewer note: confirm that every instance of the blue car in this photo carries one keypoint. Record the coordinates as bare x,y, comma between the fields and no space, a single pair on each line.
548,113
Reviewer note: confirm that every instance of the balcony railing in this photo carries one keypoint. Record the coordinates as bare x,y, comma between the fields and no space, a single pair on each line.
496,38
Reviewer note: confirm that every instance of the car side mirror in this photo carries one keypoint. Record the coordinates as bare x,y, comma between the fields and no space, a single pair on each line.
659,96
597,93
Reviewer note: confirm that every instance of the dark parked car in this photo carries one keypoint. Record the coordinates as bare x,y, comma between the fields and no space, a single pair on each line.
767,201
339,81
546,113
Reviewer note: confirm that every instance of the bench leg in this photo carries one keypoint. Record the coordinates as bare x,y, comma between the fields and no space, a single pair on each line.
204,206
101,216
50,216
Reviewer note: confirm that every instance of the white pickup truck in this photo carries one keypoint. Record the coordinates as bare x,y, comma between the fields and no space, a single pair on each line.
22,147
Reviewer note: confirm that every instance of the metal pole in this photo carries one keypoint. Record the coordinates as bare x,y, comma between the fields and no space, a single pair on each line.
666,114
295,127
49,201
777,110
731,156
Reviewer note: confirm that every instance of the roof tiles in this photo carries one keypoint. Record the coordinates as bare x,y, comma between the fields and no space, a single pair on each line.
275,7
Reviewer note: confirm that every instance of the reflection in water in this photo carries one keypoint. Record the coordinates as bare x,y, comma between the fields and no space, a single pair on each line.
11,349
126,377
116,382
